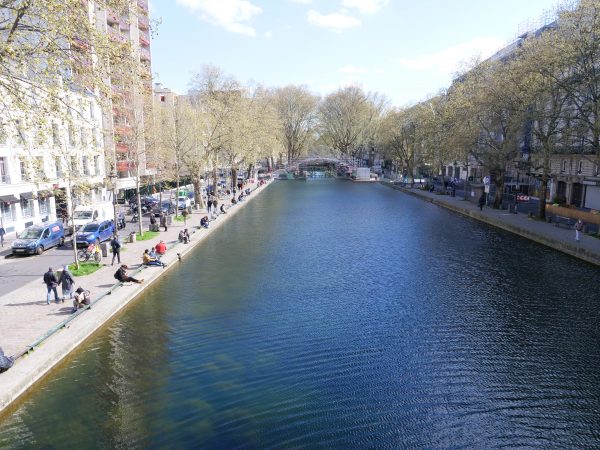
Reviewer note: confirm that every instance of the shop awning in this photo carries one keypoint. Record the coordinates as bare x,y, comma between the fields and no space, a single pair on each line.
26,195
9,198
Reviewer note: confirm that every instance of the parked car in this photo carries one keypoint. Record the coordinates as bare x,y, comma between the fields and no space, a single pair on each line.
37,238
149,202
192,198
183,202
95,232
167,207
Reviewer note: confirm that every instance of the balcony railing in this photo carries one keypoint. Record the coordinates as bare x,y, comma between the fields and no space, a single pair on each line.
143,23
116,35
144,41
122,148
143,5
144,54
112,17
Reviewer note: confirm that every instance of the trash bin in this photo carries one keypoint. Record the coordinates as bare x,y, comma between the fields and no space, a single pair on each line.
132,237
104,249
153,227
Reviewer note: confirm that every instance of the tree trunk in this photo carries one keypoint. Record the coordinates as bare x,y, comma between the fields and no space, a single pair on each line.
139,204
499,183
177,196
233,181
214,182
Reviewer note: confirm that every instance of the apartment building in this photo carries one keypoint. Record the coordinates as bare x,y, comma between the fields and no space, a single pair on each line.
124,124
40,166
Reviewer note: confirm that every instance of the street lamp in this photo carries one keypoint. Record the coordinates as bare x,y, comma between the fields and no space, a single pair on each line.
113,183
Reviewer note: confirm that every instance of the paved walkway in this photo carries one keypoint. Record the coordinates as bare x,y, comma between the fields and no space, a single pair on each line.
24,314
559,238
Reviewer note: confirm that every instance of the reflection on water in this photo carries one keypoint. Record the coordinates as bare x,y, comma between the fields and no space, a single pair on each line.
339,315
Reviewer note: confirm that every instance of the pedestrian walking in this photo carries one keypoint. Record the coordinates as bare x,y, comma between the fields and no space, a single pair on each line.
209,204
51,283
215,206
481,201
66,283
578,229
115,245
163,220
2,233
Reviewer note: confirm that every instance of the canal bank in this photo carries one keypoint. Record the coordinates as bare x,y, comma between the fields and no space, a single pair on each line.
557,238
26,318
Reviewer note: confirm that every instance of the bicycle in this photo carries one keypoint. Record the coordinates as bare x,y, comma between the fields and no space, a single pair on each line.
85,254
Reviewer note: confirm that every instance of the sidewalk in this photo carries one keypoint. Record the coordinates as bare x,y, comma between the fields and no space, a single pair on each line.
25,316
548,234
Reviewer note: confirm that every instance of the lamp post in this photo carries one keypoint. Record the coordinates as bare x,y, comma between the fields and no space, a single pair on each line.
113,183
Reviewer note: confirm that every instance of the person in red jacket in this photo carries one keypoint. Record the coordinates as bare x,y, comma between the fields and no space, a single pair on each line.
161,248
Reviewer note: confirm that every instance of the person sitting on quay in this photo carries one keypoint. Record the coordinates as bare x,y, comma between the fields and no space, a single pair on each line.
233,201
148,260
241,197
247,191
6,362
204,223
184,236
161,248
153,253
121,275
222,209
81,299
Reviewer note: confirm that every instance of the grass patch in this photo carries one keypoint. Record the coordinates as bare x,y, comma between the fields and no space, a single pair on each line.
146,236
179,219
85,268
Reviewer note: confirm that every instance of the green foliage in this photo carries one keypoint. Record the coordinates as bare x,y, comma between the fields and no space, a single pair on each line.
147,235
85,268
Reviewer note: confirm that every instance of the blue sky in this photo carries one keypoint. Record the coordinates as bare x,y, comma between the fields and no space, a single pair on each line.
404,49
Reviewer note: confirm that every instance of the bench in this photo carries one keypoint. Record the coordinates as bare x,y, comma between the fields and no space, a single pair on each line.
566,221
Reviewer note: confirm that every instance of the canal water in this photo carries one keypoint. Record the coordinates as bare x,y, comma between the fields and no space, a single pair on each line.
338,315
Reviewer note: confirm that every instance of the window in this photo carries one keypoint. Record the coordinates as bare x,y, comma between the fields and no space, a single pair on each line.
39,167
2,134
563,168
3,171
71,135
97,170
26,208
55,135
58,166
20,135
24,170
86,165
44,204
580,167
74,167
95,138
162,98
8,212
91,107
84,137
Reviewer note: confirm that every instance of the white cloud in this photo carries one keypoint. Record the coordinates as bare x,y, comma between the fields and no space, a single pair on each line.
232,15
449,60
365,6
268,35
303,2
335,21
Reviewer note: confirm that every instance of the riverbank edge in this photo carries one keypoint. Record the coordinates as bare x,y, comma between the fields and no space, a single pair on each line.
570,249
30,370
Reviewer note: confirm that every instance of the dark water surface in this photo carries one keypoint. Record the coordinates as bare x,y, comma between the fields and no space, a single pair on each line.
339,315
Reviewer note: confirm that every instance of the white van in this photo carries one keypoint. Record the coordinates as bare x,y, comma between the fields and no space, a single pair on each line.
90,213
